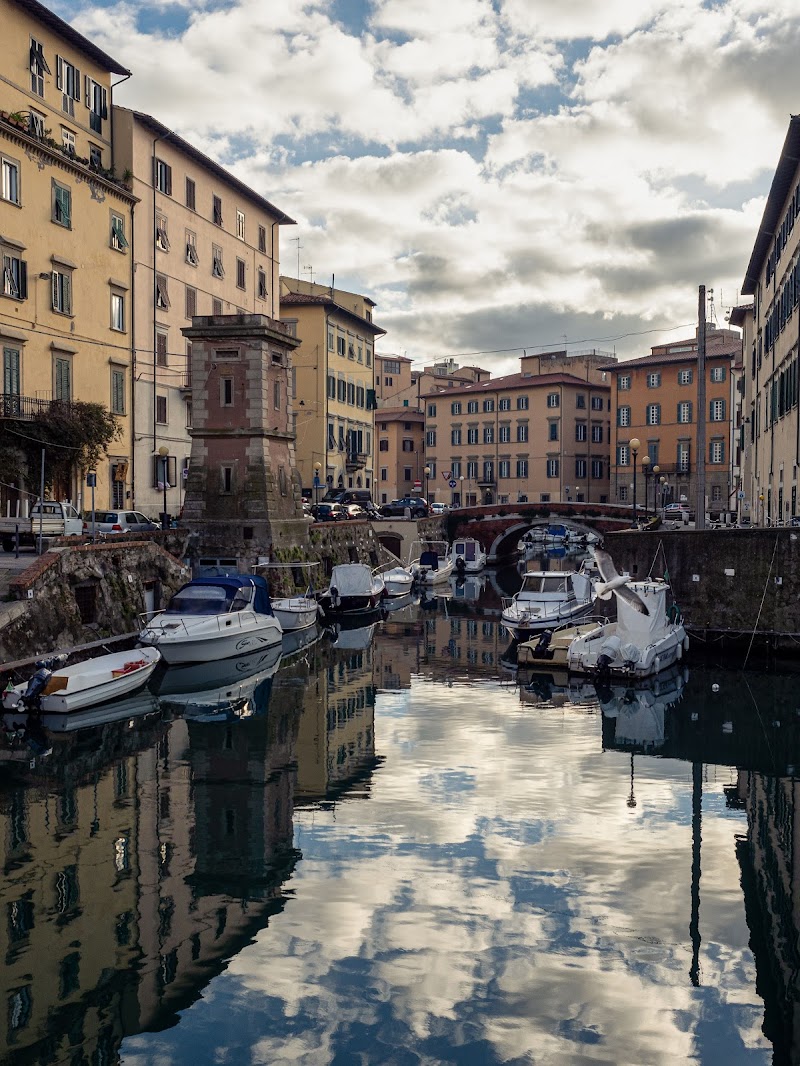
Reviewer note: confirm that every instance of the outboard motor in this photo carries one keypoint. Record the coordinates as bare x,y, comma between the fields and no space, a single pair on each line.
609,652
31,697
461,566
543,643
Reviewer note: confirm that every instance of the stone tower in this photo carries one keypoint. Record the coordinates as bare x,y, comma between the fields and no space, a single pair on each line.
242,498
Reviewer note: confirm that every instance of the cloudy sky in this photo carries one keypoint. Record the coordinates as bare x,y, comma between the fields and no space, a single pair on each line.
496,174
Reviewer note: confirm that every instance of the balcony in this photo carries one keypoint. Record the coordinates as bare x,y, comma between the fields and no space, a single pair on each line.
355,461
487,482
27,408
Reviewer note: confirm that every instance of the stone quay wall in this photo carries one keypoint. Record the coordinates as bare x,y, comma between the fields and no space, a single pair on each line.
727,582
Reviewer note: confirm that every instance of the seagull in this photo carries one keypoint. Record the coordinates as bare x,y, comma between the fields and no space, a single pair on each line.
616,583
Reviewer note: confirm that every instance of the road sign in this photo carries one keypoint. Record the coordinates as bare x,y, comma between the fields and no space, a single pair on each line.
452,482
447,474
417,484
740,495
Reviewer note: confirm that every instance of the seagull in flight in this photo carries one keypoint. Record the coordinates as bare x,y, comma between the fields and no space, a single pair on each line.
616,583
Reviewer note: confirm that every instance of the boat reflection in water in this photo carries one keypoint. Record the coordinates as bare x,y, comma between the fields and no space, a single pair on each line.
638,710
225,689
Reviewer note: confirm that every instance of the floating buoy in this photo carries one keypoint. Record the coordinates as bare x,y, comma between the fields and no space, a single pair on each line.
715,687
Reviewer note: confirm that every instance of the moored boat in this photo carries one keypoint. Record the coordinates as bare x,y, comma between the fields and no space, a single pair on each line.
434,565
468,555
296,612
354,589
214,618
548,599
398,581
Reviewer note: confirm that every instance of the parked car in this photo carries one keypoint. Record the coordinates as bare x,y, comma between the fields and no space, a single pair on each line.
118,522
329,512
439,508
355,511
397,508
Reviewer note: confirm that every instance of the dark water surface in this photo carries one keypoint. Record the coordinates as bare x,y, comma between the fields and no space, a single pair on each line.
393,850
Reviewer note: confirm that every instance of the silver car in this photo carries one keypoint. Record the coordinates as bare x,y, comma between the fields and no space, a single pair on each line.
118,522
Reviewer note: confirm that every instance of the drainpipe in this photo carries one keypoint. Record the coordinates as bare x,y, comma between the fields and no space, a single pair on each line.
132,313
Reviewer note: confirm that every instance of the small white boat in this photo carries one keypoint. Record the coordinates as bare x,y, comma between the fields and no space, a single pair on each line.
354,589
468,555
398,581
548,599
86,684
296,612
214,618
434,565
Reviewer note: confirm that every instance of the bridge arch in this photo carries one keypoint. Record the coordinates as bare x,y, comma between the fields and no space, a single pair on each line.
505,543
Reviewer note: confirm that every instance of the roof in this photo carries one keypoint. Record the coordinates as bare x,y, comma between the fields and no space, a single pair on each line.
63,29
395,358
398,414
518,381
779,190
738,315
189,149
727,350
302,299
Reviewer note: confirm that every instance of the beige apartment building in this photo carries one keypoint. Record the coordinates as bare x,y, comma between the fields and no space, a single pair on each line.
526,437
204,244
655,403
770,427
65,228
401,456
397,384
334,386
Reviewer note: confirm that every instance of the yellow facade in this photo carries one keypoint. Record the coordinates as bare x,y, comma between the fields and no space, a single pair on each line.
334,387
65,224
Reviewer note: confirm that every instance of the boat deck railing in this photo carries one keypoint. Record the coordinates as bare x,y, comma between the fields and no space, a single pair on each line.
224,621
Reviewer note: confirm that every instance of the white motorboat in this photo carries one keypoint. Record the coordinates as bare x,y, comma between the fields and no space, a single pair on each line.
468,555
434,565
646,638
221,691
354,589
398,581
214,618
86,684
548,599
296,612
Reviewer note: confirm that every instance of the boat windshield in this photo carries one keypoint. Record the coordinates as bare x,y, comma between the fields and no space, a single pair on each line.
548,583
201,599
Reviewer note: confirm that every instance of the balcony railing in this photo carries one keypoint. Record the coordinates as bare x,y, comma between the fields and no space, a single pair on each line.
355,460
26,408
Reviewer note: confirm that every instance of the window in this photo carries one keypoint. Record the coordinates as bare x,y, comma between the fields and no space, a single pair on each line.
488,434
597,434
240,224
191,248
488,471
9,187
623,492
383,445
62,378
472,435
226,479
97,102
522,432
685,412
15,275
36,124
488,405
597,469
341,345
217,269
717,373
430,438
623,416
406,473
653,414
161,347
191,194
455,469
262,240
505,434
226,392
472,470
351,392
716,451
580,469
408,445
455,436
62,205
522,468
162,296
38,67
62,292
624,382
455,408
118,311
191,301
472,407
623,455
276,395
683,457
581,431
216,210
240,274
597,403
68,140
12,383
552,399
685,377
95,156
580,401
717,411
431,410
716,493
162,240
390,366
162,176
118,239
653,381
522,403
504,404
262,284
117,391
504,468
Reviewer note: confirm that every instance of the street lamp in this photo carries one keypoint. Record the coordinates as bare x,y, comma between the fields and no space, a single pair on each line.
634,444
427,473
646,461
461,490
317,486
663,482
163,453
656,472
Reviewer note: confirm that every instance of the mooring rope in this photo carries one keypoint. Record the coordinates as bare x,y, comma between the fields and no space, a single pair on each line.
761,605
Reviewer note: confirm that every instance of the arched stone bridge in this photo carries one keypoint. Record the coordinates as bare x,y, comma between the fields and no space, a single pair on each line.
498,527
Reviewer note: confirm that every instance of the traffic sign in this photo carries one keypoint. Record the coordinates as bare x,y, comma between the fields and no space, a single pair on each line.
447,474
417,484
452,482
740,495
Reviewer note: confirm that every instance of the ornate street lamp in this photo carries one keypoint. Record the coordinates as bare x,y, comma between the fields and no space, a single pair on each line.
663,482
646,461
317,484
656,472
163,453
634,444
427,473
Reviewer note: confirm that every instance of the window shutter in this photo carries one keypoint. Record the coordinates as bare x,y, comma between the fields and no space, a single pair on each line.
155,173
104,103
67,289
23,280
55,290
59,73
87,89
168,189
76,84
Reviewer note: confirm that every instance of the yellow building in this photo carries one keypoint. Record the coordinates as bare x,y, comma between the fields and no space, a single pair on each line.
214,243
334,386
65,224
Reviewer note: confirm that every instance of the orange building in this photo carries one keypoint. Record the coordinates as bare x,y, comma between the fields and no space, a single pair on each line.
401,453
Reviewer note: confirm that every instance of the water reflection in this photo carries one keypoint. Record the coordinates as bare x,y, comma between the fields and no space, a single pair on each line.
386,849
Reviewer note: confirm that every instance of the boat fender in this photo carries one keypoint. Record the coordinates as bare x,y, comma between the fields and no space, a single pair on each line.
336,599
685,643
679,652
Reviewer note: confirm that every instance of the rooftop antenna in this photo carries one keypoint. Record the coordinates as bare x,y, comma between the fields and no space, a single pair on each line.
296,240
308,269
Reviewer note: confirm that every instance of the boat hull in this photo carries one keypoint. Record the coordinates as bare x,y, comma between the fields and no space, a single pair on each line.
188,643
584,653
521,623
298,613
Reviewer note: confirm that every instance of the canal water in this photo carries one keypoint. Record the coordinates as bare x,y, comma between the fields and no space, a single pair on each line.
388,847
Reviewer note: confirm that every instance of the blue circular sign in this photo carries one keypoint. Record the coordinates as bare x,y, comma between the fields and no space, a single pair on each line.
452,483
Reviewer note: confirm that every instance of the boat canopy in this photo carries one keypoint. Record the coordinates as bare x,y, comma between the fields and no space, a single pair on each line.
644,629
352,579
429,559
221,595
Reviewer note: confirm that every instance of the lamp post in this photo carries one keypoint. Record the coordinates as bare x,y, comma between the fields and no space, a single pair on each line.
656,472
317,486
646,461
461,490
634,444
163,453
663,482
427,473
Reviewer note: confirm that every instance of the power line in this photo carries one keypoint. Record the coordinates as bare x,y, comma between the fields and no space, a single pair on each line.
45,443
